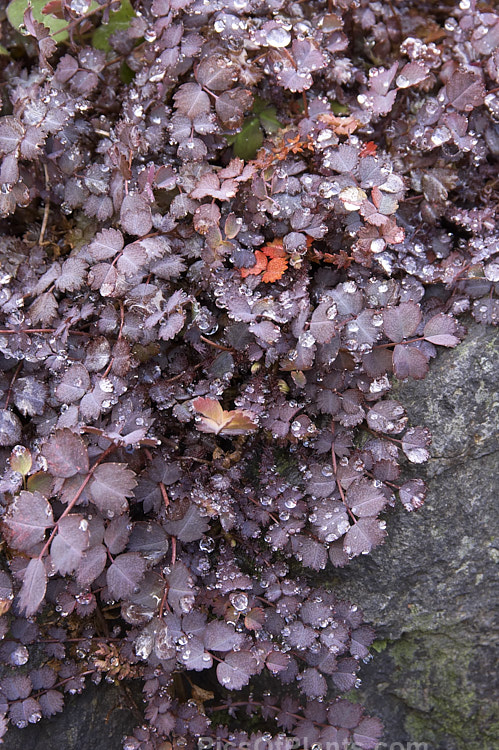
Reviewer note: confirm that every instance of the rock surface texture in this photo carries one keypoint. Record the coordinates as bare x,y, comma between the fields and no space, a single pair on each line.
429,590
96,720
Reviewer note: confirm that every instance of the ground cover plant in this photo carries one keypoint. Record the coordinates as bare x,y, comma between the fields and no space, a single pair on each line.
226,227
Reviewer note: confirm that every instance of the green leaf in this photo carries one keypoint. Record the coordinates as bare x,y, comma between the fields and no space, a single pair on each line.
248,140
15,15
259,105
119,20
269,121
126,73
339,109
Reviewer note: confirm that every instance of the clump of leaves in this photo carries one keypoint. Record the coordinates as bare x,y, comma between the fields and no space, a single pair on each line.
224,231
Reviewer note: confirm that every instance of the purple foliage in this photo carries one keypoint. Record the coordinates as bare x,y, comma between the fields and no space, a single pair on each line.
223,230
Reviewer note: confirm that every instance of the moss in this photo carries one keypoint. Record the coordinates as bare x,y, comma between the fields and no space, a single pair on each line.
443,701
379,645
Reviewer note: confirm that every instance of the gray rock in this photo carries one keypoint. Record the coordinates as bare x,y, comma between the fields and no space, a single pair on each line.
96,720
430,589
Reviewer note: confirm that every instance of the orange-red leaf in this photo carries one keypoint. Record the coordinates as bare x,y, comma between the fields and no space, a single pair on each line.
271,260
368,149
274,249
260,265
216,420
275,269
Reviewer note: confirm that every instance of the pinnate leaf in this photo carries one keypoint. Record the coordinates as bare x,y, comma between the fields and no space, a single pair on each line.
345,676
380,79
441,330
321,481
365,534
362,330
260,265
43,678
414,444
294,80
149,539
330,520
221,636
387,416
181,591
111,484
412,494
311,553
191,527
307,55
409,362
465,90
344,158
135,215
117,533
348,298
131,260
51,702
91,565
360,641
195,657
11,134
72,275
69,543
275,269
276,661
191,100
22,713
107,244
365,499
33,588
66,454
411,74
402,321
26,520
173,325
231,106
16,687
74,384
125,574
216,73
236,670
313,684
44,309
342,713
368,733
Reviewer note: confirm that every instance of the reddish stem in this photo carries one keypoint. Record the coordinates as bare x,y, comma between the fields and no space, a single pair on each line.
164,494
13,380
164,603
217,346
83,17
77,496
174,549
338,483
396,343
122,320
